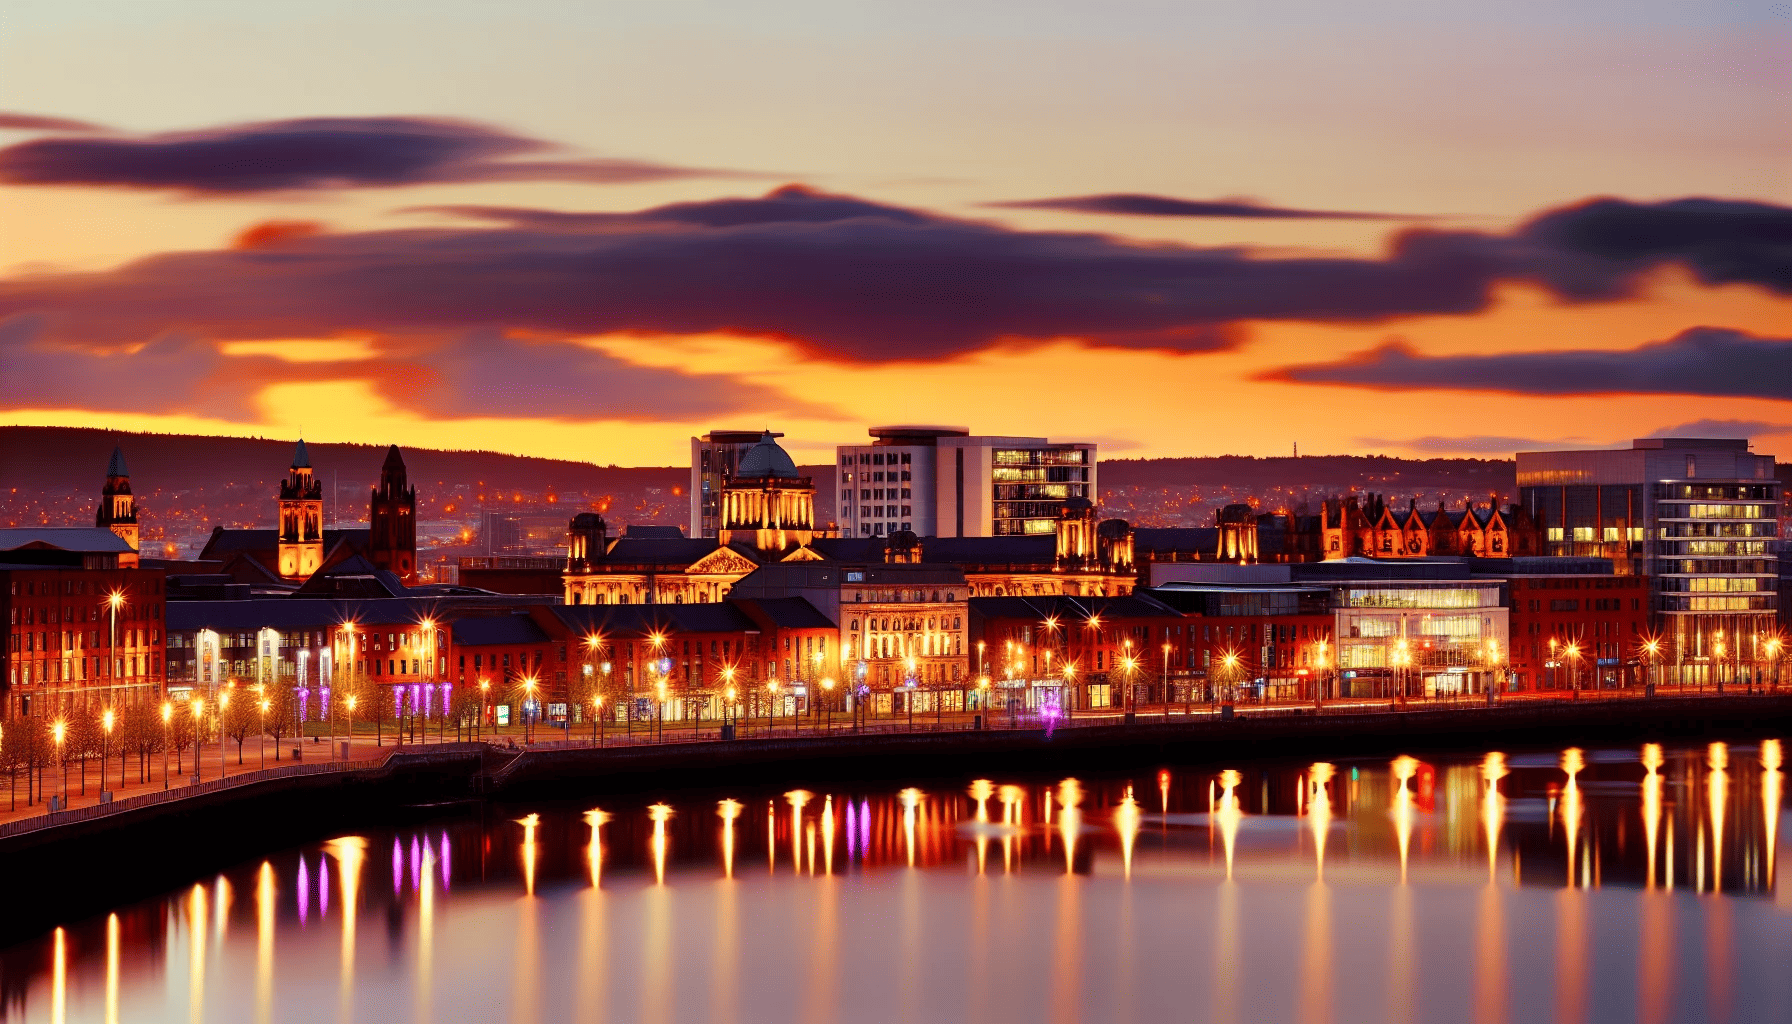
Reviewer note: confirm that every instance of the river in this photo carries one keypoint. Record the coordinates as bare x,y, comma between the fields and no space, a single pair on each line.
1597,885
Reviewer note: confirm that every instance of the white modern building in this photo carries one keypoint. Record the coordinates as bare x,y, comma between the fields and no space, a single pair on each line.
714,458
943,482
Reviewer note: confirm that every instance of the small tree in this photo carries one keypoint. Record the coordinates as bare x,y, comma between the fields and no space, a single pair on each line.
282,713
180,733
83,740
374,704
241,717
468,705
140,730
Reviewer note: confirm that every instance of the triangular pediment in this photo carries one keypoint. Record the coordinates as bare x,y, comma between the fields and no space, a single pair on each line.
721,562
805,554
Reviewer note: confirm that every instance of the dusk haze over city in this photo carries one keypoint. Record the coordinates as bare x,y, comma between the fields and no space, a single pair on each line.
919,512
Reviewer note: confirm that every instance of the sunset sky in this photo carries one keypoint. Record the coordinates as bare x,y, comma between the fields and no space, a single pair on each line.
590,230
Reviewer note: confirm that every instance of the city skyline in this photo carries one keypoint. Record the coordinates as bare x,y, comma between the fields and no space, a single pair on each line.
595,234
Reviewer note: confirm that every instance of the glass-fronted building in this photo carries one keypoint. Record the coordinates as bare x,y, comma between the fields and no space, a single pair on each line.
1698,517
943,482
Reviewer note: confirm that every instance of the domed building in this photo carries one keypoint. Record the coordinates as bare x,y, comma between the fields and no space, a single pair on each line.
767,503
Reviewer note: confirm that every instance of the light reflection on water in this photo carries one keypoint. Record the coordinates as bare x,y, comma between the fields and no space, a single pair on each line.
1576,886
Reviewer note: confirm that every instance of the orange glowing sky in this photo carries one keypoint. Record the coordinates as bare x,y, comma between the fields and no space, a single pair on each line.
124,305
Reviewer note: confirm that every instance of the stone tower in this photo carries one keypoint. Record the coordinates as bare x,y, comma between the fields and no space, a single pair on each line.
118,509
392,541
301,519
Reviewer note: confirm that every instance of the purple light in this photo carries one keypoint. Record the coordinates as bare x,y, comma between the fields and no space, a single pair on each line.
429,699
397,867
852,831
398,702
304,892
447,688
864,828
304,704
323,886
445,849
324,703
416,864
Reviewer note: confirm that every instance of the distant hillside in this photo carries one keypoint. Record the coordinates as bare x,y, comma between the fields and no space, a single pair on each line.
188,484
48,458
1341,472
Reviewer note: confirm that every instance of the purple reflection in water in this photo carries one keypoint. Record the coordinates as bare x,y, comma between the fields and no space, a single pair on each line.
864,828
304,892
323,885
397,866
852,832
416,864
445,848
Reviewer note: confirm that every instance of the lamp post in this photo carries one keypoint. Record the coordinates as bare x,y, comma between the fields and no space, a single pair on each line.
223,702
265,703
528,715
350,705
1230,661
597,713
1651,648
1572,651
1166,681
167,722
106,720
1773,656
1129,664
1402,658
1552,664
59,729
1319,658
197,704
114,601
1493,660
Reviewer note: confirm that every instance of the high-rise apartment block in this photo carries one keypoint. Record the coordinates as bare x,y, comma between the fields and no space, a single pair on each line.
1696,516
943,482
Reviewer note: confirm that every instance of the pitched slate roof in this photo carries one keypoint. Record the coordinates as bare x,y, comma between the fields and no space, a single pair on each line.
785,613
498,629
84,539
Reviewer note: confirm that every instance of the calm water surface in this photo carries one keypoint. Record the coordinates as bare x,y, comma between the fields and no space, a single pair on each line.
1598,885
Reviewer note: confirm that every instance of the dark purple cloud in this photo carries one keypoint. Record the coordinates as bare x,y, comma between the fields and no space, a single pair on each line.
1133,204
855,281
1700,361
310,153
12,121
478,374
1722,428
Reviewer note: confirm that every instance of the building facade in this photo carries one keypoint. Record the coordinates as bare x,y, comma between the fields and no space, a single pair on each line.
80,629
714,458
1575,623
943,482
1697,517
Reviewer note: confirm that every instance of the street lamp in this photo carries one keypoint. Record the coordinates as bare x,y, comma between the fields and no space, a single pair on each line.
1572,651
1166,681
167,721
223,702
1319,659
197,704
528,703
114,601
771,725
59,729
1230,661
485,693
1651,649
1773,655
106,720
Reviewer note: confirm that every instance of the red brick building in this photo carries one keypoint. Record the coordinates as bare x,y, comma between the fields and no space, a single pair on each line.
1588,624
79,629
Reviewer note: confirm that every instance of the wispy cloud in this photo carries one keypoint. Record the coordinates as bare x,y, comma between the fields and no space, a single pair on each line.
310,154
1700,361
1134,204
17,122
850,280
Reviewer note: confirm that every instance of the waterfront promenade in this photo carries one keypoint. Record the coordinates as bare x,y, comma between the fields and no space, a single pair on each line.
171,778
